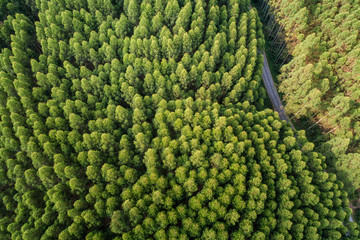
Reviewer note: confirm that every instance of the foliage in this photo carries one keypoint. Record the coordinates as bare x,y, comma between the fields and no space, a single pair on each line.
144,119
322,81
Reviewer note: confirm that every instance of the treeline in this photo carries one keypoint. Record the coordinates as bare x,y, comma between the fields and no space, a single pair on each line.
145,120
321,83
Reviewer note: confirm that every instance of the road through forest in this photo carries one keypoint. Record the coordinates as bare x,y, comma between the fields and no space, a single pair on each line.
274,96
272,92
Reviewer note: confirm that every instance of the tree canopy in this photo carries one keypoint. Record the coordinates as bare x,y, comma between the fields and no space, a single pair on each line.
146,120
321,82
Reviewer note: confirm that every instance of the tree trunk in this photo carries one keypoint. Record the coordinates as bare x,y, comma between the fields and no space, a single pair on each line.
276,36
312,117
280,51
265,6
273,27
300,110
285,58
270,22
292,30
267,13
262,4
322,118
332,130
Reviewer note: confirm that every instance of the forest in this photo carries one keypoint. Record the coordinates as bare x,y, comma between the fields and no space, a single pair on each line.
321,82
148,120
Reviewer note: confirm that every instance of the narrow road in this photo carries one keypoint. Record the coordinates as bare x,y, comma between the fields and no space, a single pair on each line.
272,92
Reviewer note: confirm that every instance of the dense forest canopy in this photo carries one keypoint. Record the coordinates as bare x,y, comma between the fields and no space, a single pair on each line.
322,81
146,120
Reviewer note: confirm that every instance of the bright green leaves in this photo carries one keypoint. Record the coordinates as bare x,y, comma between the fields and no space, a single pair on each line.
171,11
138,117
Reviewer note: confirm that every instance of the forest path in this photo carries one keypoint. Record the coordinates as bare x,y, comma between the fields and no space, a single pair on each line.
272,92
